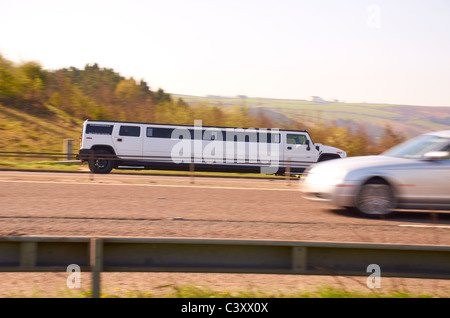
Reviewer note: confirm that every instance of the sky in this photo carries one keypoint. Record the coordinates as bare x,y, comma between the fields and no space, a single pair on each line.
374,51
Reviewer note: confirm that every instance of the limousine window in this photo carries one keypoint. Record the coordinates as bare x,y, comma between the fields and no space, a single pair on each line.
269,138
292,139
242,136
130,131
154,132
159,132
98,129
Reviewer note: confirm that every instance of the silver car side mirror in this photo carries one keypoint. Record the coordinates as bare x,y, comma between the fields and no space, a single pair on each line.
437,155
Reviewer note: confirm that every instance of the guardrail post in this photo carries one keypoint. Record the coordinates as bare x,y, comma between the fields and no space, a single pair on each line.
191,169
96,260
299,258
288,171
28,254
67,149
91,157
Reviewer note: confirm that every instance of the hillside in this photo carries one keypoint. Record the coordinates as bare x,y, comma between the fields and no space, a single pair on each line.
406,120
40,108
23,132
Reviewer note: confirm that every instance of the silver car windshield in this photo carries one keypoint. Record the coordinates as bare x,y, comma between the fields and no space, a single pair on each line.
418,147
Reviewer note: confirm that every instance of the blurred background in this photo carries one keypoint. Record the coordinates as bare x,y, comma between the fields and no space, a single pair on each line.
358,75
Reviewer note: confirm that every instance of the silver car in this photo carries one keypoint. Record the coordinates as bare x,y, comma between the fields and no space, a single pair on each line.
413,175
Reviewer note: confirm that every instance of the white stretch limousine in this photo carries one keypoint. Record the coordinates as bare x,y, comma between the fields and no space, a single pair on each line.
125,145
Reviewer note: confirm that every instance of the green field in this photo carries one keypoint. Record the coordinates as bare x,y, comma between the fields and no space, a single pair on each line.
408,120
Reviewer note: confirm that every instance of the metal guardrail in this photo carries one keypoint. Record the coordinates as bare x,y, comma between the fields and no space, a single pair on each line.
290,167
115,254
93,156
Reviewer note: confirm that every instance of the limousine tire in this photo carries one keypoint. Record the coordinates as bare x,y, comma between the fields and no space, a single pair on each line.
101,165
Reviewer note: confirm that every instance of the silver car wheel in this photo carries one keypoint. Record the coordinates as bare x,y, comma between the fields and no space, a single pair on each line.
376,199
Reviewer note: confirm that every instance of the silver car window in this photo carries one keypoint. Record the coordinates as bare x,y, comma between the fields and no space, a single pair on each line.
419,146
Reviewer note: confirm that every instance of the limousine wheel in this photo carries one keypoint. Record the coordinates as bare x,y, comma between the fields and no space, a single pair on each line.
375,199
99,164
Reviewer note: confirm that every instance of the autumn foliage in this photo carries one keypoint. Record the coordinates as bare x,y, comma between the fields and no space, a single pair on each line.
102,94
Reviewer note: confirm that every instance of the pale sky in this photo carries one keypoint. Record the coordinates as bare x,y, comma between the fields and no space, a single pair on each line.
375,51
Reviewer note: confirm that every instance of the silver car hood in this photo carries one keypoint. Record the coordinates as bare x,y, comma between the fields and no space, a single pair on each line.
354,163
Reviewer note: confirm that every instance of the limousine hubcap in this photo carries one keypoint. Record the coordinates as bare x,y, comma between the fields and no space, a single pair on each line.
100,163
375,199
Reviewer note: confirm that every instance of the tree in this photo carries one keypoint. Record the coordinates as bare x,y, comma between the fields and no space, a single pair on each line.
389,139
8,83
32,79
161,97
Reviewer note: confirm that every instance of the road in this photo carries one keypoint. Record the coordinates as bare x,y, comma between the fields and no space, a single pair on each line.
74,204
69,204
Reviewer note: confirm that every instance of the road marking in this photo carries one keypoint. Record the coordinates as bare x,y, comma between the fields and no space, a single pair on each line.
147,185
426,226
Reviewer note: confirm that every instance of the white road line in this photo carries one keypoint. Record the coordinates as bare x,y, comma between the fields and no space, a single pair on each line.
146,185
426,226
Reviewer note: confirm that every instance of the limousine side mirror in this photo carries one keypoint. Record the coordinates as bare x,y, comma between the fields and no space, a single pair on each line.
307,143
437,155
318,146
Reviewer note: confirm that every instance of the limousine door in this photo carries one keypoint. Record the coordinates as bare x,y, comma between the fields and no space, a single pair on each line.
128,141
298,153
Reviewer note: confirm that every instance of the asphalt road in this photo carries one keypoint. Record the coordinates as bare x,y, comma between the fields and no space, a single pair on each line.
73,204
68,204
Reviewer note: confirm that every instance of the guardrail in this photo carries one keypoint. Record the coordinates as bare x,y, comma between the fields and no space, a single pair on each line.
94,156
116,254
290,168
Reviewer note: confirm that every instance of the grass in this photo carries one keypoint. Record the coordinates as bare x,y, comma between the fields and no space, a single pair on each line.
22,132
38,165
58,166
205,292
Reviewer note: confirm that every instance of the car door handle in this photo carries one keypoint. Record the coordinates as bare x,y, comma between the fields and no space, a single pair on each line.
289,148
119,139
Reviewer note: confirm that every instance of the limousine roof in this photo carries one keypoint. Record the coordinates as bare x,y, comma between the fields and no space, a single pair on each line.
176,125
